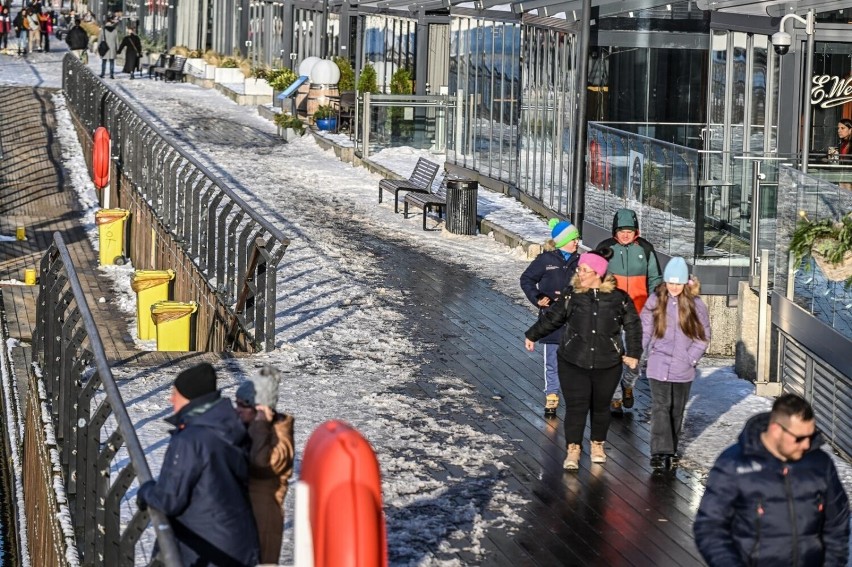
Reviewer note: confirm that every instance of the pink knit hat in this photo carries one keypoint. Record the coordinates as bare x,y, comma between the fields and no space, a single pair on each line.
596,262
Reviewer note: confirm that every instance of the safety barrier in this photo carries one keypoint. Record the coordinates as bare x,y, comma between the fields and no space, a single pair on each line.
213,231
80,397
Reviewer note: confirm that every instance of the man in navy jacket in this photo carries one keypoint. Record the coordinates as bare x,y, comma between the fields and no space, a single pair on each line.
775,498
203,484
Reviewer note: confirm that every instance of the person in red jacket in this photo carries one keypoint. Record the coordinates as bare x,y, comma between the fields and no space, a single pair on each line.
5,27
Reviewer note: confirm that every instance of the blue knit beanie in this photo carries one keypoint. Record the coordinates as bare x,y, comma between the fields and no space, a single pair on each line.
562,232
676,271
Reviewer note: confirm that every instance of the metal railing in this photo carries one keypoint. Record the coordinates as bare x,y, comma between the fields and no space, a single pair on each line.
68,350
211,223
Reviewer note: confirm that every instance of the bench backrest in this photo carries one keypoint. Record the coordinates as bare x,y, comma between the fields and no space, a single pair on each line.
177,63
424,173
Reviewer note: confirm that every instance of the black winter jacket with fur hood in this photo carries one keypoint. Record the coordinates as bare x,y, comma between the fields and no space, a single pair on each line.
594,318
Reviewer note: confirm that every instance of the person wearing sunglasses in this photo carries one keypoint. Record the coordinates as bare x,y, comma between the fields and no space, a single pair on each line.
774,498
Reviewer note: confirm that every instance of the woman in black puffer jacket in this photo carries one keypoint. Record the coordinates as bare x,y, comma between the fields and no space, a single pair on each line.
591,353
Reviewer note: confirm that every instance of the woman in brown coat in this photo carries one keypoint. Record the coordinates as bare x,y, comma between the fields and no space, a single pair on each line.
271,457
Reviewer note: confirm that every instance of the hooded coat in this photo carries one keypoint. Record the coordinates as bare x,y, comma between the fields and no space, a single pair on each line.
758,510
110,36
270,469
634,266
203,486
593,319
133,57
549,275
77,38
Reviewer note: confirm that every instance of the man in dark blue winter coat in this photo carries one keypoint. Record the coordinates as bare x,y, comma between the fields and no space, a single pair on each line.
544,280
203,484
775,498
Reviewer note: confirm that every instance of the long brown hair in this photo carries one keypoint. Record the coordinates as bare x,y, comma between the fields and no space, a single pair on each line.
687,315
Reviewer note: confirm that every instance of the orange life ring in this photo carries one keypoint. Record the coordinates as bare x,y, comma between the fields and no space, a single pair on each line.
100,158
346,515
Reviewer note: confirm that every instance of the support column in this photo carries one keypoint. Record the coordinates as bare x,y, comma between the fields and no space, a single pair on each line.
578,196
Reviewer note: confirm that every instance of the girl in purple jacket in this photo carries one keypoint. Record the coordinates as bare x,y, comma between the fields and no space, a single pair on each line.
675,334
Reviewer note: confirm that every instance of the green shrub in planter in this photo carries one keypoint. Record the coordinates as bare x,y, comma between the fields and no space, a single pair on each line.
368,81
229,63
283,120
280,79
324,112
260,73
347,75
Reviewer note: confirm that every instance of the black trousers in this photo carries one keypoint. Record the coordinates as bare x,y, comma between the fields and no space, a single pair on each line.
668,402
587,391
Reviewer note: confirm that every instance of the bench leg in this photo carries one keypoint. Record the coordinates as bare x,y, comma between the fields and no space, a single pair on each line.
405,210
396,201
425,208
380,193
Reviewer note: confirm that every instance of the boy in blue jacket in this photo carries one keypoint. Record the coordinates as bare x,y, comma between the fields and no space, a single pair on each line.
544,280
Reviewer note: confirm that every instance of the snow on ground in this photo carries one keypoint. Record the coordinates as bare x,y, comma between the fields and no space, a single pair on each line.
341,333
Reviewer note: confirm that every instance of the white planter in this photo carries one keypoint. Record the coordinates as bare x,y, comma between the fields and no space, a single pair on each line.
196,66
258,87
209,71
288,134
228,76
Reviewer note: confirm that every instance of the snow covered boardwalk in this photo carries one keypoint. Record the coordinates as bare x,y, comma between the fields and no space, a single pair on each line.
416,339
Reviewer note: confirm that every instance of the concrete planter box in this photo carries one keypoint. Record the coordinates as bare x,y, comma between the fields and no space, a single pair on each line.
288,134
228,76
258,87
196,66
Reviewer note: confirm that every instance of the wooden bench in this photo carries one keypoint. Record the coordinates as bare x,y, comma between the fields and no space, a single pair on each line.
426,202
173,71
420,181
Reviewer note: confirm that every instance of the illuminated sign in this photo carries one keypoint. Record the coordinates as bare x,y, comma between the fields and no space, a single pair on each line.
829,91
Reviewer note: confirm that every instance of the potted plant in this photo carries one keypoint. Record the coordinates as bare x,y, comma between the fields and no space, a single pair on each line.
347,75
368,81
289,126
828,242
325,118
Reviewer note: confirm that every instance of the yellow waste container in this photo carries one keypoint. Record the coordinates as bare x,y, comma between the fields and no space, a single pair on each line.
173,320
111,234
151,286
30,276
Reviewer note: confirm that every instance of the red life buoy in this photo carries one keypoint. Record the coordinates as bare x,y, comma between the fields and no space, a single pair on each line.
346,515
100,158
594,163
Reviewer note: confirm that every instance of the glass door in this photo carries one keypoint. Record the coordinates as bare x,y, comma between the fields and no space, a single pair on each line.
740,129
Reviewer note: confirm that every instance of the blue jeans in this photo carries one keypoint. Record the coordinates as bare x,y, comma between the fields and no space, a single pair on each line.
551,369
111,67
22,41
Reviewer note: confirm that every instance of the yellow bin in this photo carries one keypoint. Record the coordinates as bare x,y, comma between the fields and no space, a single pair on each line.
30,276
173,320
111,234
151,286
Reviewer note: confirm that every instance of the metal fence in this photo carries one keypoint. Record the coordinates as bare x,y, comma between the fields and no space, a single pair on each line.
233,246
81,396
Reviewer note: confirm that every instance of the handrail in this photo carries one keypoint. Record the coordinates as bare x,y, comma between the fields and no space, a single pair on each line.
170,554
207,218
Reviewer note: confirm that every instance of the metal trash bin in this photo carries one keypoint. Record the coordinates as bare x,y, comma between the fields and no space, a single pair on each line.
461,205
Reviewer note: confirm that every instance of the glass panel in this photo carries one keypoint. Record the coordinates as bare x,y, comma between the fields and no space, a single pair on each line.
833,60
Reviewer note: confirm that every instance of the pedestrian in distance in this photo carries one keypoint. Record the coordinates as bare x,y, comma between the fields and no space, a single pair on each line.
133,59
45,22
21,24
271,457
203,483
774,498
675,335
34,28
78,42
5,27
637,271
545,279
110,36
595,314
